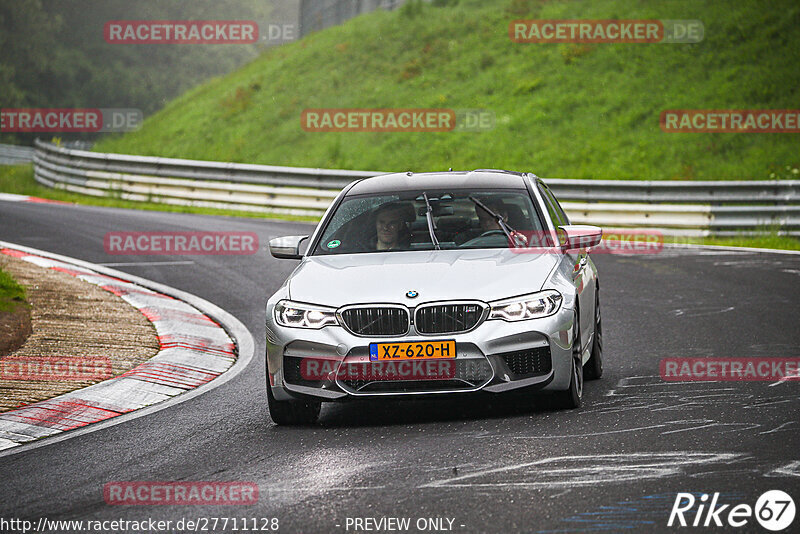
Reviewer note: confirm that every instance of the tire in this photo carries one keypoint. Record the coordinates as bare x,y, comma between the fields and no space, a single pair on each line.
292,412
573,397
594,367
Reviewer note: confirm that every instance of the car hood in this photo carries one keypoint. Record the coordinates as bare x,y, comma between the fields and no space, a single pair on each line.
435,275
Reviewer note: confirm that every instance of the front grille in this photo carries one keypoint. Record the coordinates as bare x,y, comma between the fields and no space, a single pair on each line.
447,318
528,362
411,387
384,377
376,321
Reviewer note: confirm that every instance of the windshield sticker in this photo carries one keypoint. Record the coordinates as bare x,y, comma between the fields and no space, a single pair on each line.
333,244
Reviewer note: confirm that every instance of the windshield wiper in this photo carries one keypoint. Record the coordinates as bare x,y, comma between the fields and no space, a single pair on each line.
503,226
431,224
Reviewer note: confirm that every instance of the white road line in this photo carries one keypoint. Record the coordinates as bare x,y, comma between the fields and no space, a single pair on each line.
778,429
332,488
710,424
701,311
770,402
791,469
590,434
572,471
700,424
787,378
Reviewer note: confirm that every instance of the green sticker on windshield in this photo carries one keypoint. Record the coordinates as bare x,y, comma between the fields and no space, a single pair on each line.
333,244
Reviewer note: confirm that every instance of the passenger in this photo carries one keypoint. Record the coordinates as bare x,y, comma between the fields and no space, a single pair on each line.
490,233
487,222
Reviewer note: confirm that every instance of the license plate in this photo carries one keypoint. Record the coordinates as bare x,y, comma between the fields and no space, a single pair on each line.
412,350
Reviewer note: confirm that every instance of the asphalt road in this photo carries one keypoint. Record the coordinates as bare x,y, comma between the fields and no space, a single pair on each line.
490,465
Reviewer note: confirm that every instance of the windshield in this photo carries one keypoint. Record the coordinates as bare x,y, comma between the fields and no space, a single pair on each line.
428,220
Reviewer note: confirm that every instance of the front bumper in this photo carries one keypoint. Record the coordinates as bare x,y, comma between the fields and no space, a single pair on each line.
497,356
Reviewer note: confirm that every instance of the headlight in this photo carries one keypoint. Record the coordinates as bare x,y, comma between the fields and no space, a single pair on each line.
295,314
531,306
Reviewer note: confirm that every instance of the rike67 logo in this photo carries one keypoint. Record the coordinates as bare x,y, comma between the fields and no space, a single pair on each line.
774,510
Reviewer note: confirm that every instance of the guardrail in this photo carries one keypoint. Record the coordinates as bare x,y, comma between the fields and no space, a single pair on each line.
678,208
15,154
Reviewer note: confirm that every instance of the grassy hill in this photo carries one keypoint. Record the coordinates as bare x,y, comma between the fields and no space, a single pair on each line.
563,110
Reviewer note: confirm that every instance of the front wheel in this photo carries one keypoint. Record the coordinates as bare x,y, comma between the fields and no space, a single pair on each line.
594,367
292,412
573,397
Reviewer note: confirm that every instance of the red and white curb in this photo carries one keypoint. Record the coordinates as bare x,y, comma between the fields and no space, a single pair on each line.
11,197
194,350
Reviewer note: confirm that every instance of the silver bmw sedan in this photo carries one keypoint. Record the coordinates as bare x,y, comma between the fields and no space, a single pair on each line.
435,284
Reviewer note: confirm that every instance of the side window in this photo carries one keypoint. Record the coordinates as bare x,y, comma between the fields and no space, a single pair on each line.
558,207
553,208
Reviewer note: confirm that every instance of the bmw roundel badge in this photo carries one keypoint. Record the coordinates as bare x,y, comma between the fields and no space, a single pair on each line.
412,294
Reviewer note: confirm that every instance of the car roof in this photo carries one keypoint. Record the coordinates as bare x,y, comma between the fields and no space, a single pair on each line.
405,181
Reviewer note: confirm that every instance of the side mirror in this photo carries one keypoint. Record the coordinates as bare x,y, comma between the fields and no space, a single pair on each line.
577,236
287,248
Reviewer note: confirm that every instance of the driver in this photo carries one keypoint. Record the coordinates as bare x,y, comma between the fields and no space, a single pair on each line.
391,226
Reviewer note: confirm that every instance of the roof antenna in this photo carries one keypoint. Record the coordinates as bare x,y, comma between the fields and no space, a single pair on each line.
409,173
